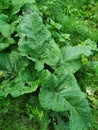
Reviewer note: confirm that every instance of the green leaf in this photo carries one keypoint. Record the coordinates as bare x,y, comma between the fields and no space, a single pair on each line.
72,53
10,62
16,5
4,4
36,42
5,42
84,60
68,67
66,96
55,25
17,88
70,61
19,77
90,43
94,66
5,28
39,65
60,123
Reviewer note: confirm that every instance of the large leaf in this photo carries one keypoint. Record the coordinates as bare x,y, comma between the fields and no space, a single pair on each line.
17,77
10,62
16,5
36,42
68,67
70,61
17,88
72,53
65,95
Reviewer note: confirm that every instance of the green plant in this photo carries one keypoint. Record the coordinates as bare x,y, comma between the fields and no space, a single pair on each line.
37,58
33,112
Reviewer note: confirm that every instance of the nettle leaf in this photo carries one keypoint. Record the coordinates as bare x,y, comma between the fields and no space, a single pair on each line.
36,42
70,61
66,96
18,77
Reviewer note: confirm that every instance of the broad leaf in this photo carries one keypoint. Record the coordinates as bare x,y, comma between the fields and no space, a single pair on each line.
36,42
17,88
10,62
16,5
19,77
70,60
66,96
71,53
68,67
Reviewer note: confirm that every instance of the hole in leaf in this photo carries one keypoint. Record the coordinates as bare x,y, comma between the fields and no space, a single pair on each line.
47,67
26,84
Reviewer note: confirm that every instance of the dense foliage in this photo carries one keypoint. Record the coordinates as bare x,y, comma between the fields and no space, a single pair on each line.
48,65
